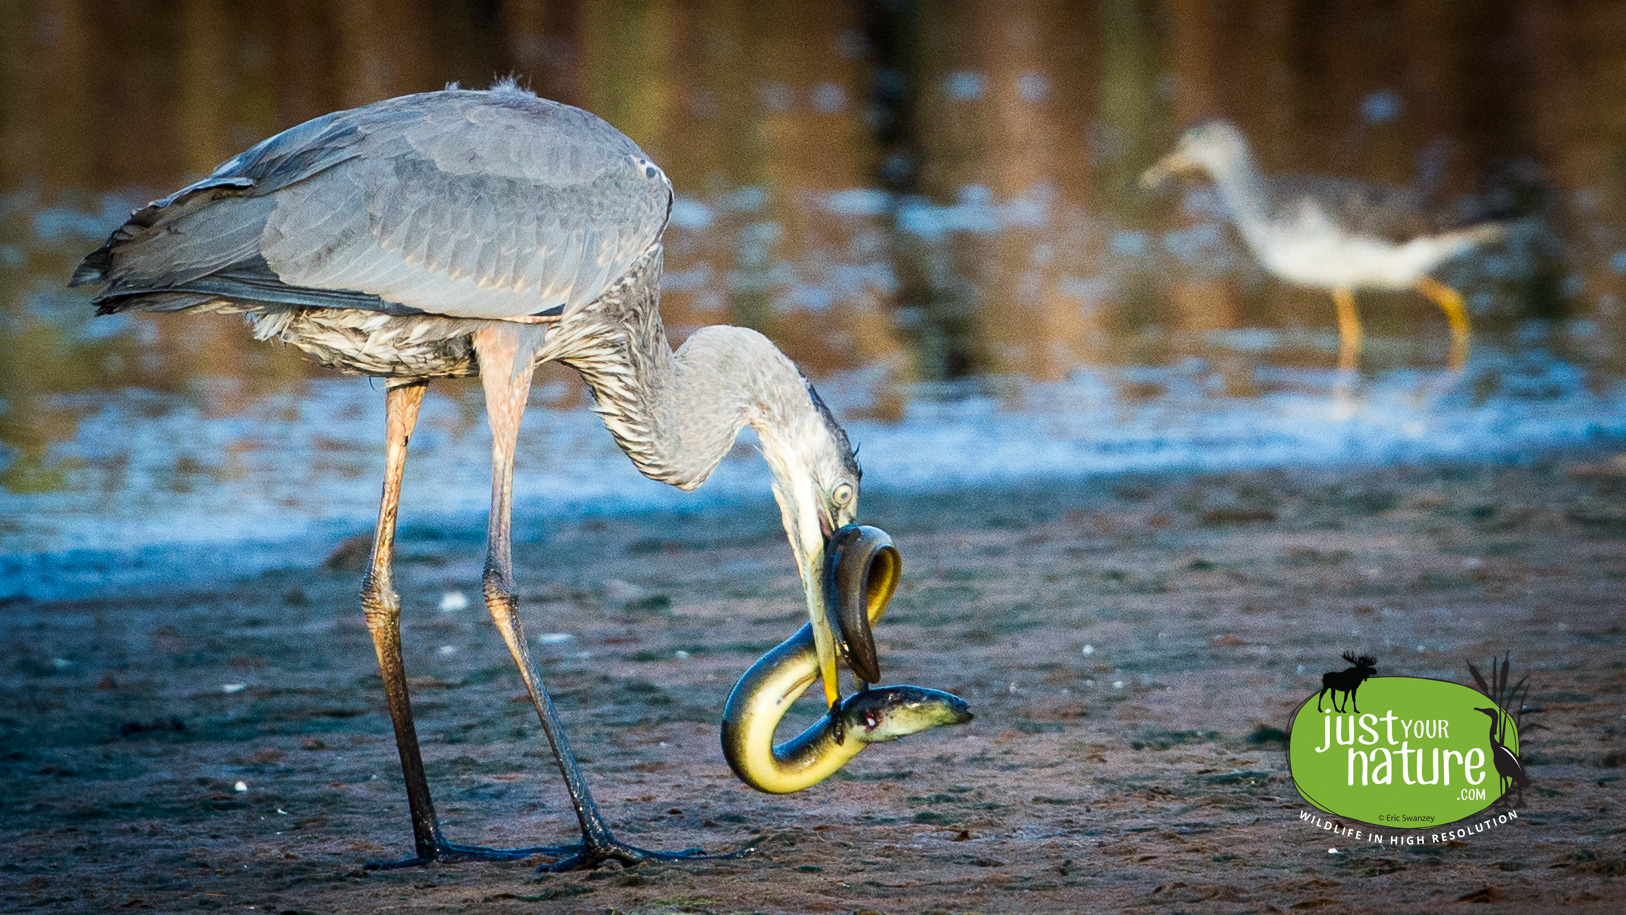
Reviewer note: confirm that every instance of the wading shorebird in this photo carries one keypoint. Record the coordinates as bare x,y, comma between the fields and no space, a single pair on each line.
1329,234
463,233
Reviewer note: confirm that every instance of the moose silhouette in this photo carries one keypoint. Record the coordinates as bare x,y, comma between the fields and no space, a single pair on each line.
1346,681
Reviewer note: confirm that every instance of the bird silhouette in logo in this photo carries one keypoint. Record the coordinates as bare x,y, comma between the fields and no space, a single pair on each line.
1508,709
1346,681
1507,761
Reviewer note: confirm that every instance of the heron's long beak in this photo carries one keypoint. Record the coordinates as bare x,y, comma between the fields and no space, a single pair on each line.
808,532
1167,167
812,541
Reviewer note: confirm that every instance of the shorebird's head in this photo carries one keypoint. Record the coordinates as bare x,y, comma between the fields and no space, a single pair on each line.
1214,146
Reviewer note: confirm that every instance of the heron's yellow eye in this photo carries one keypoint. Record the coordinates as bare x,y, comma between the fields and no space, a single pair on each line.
843,495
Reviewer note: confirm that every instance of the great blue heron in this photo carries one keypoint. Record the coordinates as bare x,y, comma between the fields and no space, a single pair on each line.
1329,234
1506,761
458,233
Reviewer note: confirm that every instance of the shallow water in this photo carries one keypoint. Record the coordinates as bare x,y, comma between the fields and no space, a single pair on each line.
934,213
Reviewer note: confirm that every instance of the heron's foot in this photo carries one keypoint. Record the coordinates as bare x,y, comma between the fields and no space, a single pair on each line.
448,853
590,854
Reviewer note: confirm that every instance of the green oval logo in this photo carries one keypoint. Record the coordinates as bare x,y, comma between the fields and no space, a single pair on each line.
1402,752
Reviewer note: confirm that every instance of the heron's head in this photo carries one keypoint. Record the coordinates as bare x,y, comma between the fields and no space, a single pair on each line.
1212,146
815,482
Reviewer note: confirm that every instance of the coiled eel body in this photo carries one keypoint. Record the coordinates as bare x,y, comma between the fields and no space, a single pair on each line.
862,571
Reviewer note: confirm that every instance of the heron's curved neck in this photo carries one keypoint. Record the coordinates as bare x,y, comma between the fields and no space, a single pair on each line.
676,414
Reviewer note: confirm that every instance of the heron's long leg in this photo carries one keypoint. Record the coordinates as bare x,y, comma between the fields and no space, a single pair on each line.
1349,330
505,371
382,609
1456,312
383,612
505,355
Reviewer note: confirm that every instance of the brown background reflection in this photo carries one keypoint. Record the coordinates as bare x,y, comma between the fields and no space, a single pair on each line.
842,160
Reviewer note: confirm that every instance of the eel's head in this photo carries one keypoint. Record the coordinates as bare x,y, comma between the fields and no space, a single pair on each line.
890,712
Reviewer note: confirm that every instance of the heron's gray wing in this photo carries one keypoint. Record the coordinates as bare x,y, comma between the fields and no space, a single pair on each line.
471,204
214,225
128,253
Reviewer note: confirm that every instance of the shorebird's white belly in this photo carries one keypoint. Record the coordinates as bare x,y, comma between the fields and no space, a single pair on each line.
1334,260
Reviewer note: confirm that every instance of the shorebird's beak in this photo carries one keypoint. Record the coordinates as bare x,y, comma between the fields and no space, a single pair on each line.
1170,165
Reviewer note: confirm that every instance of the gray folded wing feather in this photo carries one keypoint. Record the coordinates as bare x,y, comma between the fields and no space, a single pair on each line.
470,204
1397,214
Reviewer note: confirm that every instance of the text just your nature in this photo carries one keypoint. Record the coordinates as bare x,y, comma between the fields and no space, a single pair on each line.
1377,765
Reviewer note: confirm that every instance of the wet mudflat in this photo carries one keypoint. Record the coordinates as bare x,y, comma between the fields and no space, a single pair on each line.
1128,646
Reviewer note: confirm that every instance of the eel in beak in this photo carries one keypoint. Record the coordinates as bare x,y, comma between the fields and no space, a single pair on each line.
861,573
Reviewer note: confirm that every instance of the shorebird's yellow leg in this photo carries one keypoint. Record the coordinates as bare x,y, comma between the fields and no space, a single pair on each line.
1450,301
1349,330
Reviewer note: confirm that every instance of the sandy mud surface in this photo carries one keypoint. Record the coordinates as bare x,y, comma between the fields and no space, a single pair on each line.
1130,649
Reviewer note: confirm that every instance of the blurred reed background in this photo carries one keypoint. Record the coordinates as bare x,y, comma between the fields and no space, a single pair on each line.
920,201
